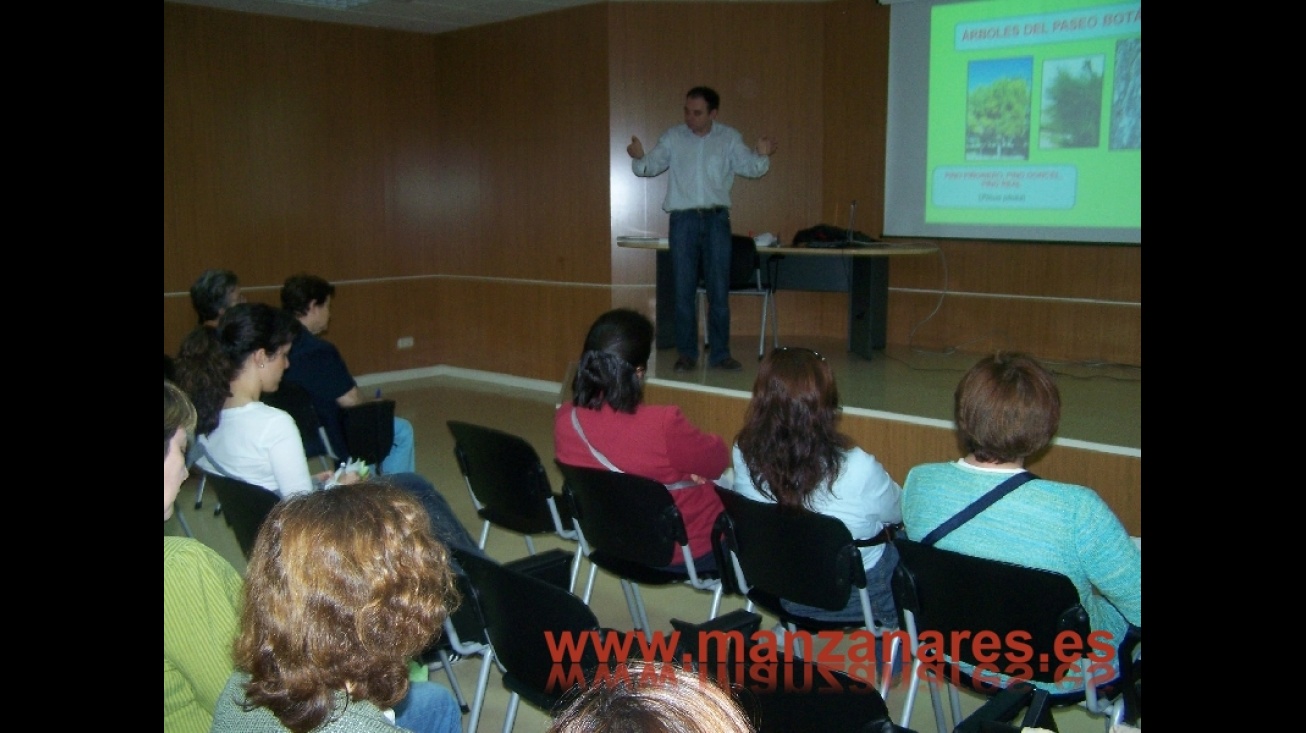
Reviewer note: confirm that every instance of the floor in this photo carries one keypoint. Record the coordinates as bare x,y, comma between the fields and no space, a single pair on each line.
1102,404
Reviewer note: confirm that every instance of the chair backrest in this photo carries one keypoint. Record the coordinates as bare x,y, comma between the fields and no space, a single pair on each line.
949,592
781,694
518,610
795,554
369,429
244,506
745,265
624,516
504,473
466,623
296,401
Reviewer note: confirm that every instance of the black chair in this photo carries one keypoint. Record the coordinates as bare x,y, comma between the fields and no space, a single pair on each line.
800,556
463,635
786,695
949,593
509,487
369,430
464,632
244,506
519,610
746,279
629,525
296,401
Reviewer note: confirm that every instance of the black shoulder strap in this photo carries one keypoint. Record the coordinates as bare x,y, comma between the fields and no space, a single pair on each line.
977,506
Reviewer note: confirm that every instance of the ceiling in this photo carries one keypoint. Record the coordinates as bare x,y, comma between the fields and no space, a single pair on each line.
418,16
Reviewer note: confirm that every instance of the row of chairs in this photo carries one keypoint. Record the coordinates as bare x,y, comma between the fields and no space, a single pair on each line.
935,589
769,553
520,611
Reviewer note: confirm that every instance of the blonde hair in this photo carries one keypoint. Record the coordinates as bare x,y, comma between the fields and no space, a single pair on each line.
647,697
178,413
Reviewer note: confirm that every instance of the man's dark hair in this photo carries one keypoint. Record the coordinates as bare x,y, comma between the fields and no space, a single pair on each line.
209,293
707,94
300,292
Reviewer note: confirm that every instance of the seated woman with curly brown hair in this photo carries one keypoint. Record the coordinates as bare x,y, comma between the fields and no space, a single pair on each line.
343,587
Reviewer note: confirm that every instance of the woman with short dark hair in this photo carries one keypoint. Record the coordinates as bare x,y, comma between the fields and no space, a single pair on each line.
608,417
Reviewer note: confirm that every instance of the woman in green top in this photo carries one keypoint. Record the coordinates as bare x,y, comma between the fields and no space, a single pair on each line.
201,595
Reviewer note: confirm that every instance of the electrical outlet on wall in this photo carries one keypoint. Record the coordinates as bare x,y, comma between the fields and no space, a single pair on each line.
405,343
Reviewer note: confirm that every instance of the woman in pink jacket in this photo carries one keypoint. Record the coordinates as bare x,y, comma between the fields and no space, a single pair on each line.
608,425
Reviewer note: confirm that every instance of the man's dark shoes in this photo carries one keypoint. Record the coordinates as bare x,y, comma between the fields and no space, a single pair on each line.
685,364
729,364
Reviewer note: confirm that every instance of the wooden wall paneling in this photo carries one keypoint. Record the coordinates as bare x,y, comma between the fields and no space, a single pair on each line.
527,329
524,329
535,123
458,242
1104,272
277,140
805,314
1050,330
855,81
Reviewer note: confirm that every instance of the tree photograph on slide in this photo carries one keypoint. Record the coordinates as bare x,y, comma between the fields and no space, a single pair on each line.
998,108
1072,103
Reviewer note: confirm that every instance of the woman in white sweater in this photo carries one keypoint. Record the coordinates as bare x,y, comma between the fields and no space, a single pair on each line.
790,452
225,370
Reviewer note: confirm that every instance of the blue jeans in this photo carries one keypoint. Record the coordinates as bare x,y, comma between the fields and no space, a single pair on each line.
402,457
878,589
429,708
444,522
701,239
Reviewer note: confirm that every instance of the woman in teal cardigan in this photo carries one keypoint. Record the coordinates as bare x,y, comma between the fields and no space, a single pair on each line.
1007,408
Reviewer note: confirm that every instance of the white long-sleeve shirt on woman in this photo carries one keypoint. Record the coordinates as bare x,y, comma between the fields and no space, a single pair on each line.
260,445
864,497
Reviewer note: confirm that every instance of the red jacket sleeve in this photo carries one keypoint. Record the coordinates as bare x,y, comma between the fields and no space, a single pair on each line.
691,450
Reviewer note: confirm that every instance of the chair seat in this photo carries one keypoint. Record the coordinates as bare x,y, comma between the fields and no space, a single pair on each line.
644,574
538,699
770,603
785,695
510,488
629,525
954,594
517,521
